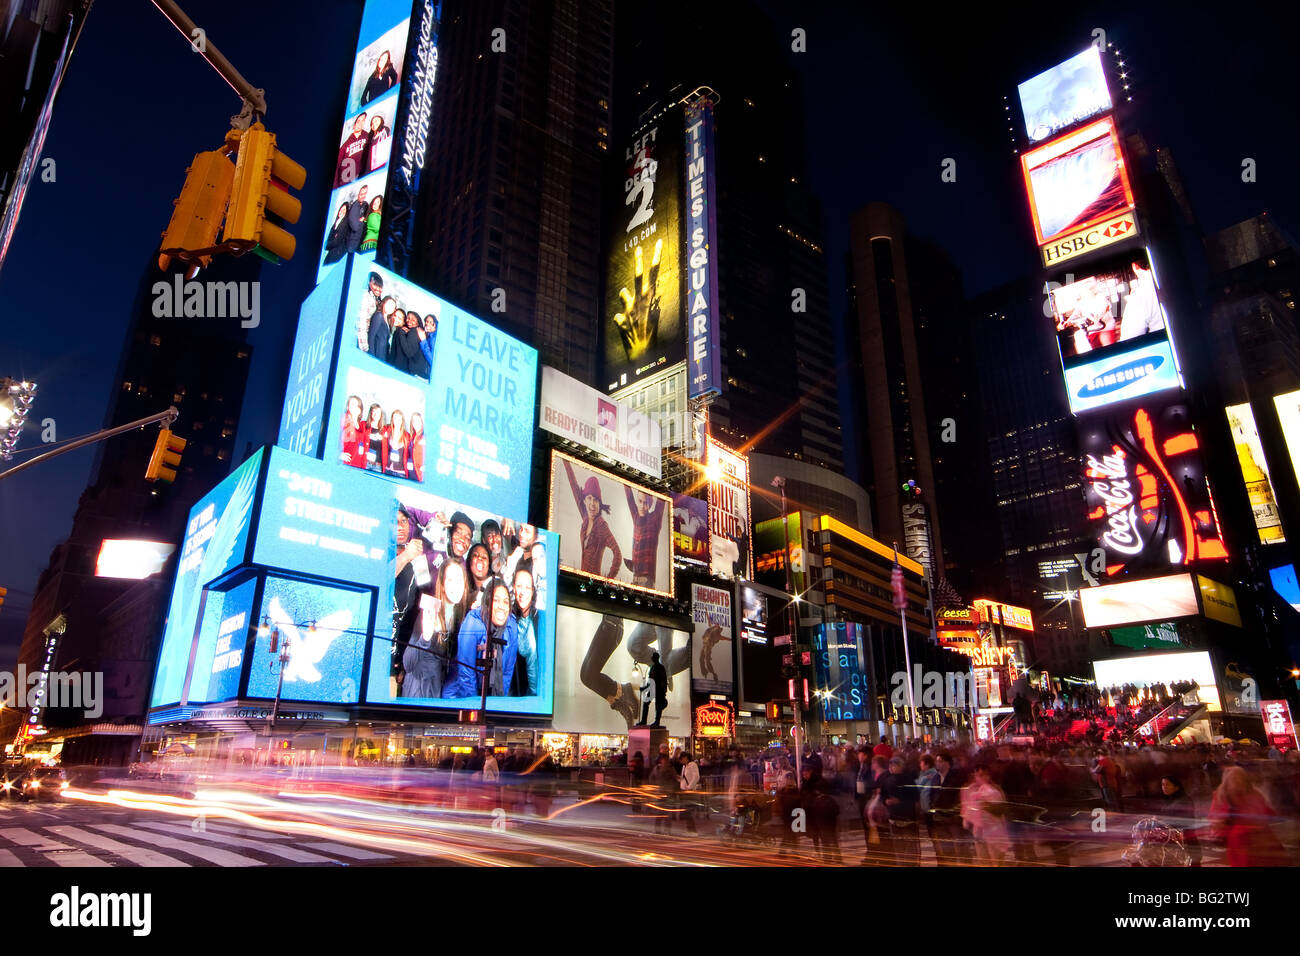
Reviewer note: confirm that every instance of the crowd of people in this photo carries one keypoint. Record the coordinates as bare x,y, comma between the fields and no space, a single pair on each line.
452,605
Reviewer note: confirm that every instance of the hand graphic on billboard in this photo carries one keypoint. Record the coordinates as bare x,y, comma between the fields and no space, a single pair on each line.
638,323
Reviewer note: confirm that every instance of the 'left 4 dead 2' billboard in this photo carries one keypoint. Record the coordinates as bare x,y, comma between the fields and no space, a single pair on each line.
383,591
391,379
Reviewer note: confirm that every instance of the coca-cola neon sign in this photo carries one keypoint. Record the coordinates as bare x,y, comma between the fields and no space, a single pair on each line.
1146,489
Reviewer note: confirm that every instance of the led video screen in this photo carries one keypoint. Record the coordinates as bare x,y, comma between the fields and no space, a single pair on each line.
691,529
610,529
359,176
1145,488
223,638
1136,602
1120,376
1080,197
1255,473
216,540
730,554
841,669
325,630
602,660
430,395
1115,305
1144,670
1068,93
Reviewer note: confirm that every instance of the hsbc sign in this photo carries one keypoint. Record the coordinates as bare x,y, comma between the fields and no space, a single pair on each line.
1088,240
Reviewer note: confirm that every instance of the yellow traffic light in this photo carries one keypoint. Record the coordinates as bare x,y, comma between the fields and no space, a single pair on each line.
3,592
166,457
196,218
262,180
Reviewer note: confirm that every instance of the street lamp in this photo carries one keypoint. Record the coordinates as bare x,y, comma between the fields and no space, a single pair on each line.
281,655
15,402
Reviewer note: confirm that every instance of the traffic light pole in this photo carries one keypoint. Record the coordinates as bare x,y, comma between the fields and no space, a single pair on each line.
165,418
254,98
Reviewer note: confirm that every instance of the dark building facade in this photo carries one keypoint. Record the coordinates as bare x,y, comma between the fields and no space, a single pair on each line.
779,367
513,209
112,625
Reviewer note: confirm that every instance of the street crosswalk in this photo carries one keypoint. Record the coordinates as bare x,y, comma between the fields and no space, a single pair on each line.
31,836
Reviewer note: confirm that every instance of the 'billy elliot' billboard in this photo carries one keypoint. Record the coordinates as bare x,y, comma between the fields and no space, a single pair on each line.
1079,192
643,324
730,554
1146,492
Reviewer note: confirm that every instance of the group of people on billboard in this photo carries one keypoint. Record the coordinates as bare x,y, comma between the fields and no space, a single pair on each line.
454,599
356,225
381,442
395,332
1109,307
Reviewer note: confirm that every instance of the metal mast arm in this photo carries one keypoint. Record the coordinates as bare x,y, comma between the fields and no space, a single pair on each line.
253,97
165,418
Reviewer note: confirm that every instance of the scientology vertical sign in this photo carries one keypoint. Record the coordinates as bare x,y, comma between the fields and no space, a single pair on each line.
704,355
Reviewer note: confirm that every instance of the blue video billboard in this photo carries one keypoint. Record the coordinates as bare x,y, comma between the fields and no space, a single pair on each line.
216,539
430,395
366,137
223,636
841,671
309,371
1121,376
393,540
325,628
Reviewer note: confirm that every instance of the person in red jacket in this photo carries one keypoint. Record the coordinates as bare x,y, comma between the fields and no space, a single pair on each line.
353,447
1240,815
415,448
395,442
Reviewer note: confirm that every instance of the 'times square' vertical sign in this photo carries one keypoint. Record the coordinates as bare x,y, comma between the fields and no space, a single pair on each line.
704,355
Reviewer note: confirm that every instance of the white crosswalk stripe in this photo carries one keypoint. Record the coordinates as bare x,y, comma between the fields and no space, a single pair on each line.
353,852
62,853
244,831
192,847
7,858
292,854
135,854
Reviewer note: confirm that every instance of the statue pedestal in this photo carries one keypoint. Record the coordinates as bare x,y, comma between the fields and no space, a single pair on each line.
647,740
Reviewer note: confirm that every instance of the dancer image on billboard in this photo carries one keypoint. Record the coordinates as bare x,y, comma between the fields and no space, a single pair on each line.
647,520
710,639
595,535
625,697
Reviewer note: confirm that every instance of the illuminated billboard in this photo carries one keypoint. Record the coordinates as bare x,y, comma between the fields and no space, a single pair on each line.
360,173
315,342
1079,192
644,328
1163,635
412,131
705,354
228,620
583,415
609,529
712,641
753,615
1008,615
1121,376
1218,601
602,660
1288,415
325,631
1285,584
1135,602
426,393
841,669
130,558
1254,472
216,539
691,529
1146,670
1114,305
729,539
1068,93
1147,497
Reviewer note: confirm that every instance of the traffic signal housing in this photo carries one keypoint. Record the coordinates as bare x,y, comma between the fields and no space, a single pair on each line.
3,592
263,177
166,457
199,210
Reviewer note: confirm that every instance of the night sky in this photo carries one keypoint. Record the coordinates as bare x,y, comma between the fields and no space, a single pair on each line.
889,95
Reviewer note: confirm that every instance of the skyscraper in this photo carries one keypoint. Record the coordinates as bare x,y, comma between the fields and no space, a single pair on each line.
779,371
513,209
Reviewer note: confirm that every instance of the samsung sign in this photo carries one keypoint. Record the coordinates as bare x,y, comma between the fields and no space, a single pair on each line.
1118,378
702,264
